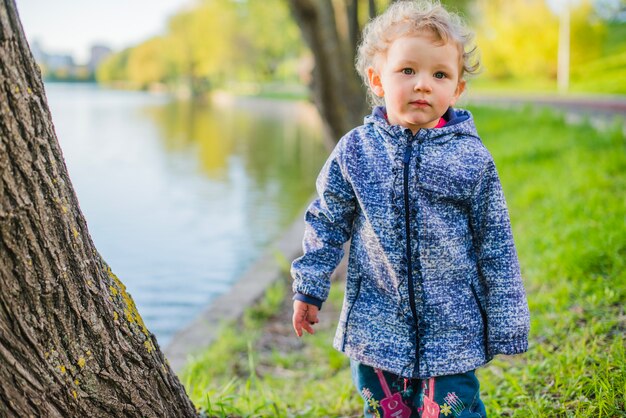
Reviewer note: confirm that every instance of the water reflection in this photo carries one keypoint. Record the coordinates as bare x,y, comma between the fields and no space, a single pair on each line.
181,199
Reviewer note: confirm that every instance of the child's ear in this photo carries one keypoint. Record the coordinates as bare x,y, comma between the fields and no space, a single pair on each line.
460,88
375,83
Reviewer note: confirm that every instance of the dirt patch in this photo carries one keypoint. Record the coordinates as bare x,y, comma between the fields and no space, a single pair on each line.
278,336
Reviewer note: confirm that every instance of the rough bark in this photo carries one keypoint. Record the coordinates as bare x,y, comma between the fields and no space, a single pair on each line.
336,88
72,343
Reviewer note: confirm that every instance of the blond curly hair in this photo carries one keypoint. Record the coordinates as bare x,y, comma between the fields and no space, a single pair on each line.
414,17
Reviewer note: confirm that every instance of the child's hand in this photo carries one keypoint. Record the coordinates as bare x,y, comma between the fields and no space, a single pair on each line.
304,317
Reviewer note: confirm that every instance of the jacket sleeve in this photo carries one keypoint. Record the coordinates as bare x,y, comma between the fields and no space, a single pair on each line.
505,304
328,223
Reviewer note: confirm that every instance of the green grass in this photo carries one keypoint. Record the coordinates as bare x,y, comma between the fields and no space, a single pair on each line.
604,75
616,38
565,186
566,192
512,86
306,377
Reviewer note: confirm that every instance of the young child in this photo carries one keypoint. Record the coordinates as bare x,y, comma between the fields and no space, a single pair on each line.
433,285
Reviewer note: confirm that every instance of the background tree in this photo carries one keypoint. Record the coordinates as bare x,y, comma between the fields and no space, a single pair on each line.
335,86
267,39
71,340
114,69
518,39
147,64
212,44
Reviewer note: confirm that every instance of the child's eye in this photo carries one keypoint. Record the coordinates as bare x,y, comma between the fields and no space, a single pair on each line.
408,71
440,75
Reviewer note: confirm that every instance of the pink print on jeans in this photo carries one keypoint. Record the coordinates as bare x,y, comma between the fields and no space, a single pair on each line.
454,402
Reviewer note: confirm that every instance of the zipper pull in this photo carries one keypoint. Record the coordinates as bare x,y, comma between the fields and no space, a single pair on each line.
407,153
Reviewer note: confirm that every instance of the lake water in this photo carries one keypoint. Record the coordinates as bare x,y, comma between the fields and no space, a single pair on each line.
180,199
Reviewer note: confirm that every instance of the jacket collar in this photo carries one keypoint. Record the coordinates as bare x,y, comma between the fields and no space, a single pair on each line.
460,122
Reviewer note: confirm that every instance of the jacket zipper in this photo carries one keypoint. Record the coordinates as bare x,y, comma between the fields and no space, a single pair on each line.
407,222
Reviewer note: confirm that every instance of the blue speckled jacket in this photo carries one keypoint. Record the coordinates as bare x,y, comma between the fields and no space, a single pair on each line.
433,283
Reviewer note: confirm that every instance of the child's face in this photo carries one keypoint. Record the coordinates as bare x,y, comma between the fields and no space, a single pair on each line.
418,79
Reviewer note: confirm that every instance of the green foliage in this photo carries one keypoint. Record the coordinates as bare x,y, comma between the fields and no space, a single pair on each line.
615,38
565,188
458,6
588,34
200,40
114,69
518,41
213,42
606,73
233,43
146,63
516,38
269,42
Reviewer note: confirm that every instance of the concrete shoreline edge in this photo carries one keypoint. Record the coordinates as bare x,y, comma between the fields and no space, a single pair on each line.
230,306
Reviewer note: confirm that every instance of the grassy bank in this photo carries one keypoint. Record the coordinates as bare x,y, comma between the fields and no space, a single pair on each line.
565,186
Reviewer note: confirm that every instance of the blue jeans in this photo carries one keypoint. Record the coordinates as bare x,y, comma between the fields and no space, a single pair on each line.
457,395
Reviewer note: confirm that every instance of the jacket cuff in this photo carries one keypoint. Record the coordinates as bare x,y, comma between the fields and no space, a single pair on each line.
309,299
514,346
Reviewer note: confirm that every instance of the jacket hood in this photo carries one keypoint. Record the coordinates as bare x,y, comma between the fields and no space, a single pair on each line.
459,122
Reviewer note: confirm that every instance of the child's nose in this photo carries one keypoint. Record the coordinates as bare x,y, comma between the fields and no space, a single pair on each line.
422,83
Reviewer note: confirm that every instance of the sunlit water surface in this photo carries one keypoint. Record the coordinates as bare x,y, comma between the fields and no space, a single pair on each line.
180,200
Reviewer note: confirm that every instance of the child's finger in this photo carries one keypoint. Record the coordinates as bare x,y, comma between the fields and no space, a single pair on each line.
307,327
297,323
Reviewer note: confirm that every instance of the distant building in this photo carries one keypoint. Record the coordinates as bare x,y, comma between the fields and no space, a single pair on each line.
97,54
63,66
57,62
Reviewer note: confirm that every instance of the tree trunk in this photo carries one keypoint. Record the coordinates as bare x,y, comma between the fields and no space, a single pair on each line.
336,87
354,29
372,8
72,343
